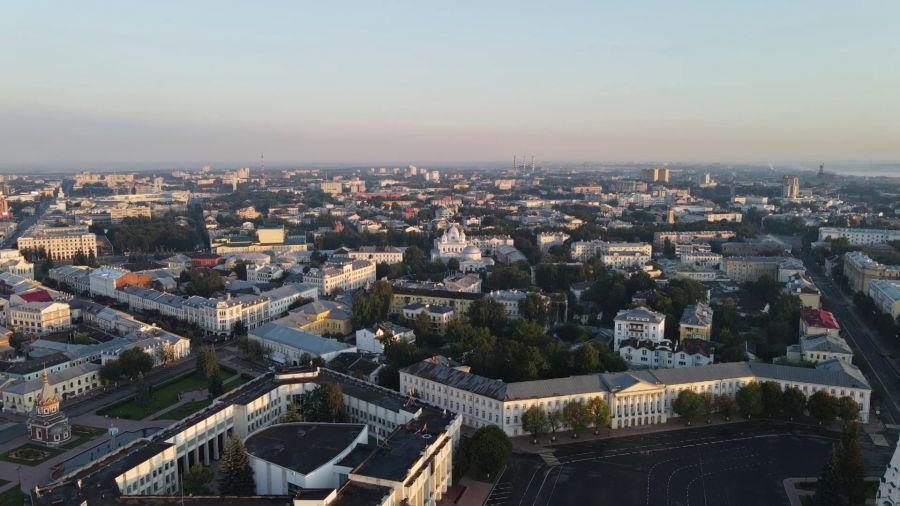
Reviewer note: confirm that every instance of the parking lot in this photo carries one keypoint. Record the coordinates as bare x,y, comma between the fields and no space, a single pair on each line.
737,464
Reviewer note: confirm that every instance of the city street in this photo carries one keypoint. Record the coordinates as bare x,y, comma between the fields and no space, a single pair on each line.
879,363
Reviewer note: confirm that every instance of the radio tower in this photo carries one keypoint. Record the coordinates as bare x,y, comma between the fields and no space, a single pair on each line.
532,165
263,176
515,167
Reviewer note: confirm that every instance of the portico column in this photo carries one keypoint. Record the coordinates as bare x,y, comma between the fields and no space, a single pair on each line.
216,447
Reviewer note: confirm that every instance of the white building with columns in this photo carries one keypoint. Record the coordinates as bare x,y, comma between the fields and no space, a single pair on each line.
636,398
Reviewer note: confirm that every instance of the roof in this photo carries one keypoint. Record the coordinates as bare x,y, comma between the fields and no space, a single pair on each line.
473,383
819,318
825,343
321,443
699,315
36,296
831,373
295,338
640,314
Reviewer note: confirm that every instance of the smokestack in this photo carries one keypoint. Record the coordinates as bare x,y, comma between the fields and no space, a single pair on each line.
532,164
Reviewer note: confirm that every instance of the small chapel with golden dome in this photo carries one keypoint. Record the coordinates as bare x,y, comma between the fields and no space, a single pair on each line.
46,423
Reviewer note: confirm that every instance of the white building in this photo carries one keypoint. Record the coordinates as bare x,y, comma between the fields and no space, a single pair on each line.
452,244
12,261
20,396
859,236
636,398
641,324
688,353
287,345
820,348
341,276
547,240
370,339
40,318
103,281
263,273
886,294
510,300
636,251
377,254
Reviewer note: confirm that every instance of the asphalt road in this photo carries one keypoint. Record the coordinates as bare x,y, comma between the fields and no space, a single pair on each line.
736,464
878,364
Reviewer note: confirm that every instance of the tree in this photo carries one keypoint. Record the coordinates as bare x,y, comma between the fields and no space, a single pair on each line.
453,265
535,422
707,405
142,393
325,403
577,416
600,413
847,409
207,366
197,480
822,406
828,488
292,414
688,405
135,361
793,402
726,405
373,306
239,329
555,419
215,386
489,450
205,282
487,312
535,307
235,472
749,400
850,460
111,372
772,398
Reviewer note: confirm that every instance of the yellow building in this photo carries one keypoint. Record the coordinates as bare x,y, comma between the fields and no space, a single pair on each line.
320,317
459,302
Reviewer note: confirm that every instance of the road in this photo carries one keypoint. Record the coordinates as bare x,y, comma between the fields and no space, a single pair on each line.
10,240
878,364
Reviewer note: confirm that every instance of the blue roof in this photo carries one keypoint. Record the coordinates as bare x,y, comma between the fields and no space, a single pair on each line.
295,338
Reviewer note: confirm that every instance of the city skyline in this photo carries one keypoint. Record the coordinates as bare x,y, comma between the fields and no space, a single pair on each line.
101,86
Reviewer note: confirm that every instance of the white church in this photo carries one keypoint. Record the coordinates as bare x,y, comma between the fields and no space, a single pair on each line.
453,244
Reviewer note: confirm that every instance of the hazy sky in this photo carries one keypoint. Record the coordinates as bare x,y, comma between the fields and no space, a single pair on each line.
90,84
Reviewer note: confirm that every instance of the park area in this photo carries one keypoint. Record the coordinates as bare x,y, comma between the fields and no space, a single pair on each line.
171,393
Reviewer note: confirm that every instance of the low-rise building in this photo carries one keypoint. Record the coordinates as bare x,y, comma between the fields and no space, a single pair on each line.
859,236
744,269
696,322
320,317
40,318
820,348
633,252
20,396
886,294
818,322
639,323
335,276
288,345
371,339
546,240
263,273
662,354
438,316
860,270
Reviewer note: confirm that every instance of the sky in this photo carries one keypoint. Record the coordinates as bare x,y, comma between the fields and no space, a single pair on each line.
125,84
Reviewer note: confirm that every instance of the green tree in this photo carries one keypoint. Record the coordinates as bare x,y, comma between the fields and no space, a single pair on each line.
772,398
291,414
489,450
600,413
535,307
142,392
535,422
205,282
852,470
707,405
793,402
749,400
688,405
828,488
822,406
453,265
373,306
577,416
197,480
215,386
487,312
239,329
235,472
207,365
847,409
111,372
134,361
325,403
726,405
555,419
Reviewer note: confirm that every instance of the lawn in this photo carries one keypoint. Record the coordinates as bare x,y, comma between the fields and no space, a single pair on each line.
189,408
30,454
163,396
82,434
12,497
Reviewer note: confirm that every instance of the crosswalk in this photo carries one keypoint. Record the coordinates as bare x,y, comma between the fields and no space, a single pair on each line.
500,494
549,458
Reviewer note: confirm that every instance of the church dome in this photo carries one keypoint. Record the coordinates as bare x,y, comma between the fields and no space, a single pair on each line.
471,253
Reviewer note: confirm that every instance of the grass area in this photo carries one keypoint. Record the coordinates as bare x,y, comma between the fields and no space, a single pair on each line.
82,434
163,397
12,497
806,485
30,454
189,408
806,500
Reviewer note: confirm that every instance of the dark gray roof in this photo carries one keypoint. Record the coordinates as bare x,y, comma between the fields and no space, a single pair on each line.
830,373
321,443
474,383
710,372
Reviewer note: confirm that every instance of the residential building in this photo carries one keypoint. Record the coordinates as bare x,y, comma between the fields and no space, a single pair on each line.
21,396
320,317
660,238
510,300
263,273
438,316
790,187
859,270
370,339
886,294
687,353
860,236
696,322
820,348
546,240
744,269
585,250
459,301
803,288
61,243
40,318
641,324
334,276
377,254
818,322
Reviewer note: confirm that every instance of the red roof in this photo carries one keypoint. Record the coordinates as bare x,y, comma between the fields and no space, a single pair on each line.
36,296
819,318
